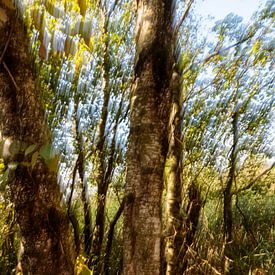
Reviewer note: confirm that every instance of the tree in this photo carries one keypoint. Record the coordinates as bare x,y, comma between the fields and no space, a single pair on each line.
46,245
148,139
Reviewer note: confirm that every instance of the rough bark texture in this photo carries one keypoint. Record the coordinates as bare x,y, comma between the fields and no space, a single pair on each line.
44,227
148,141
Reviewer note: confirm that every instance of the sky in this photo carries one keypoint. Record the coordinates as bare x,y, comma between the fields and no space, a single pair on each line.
220,8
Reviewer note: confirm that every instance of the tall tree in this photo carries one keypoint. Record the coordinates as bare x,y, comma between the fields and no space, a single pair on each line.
44,228
148,141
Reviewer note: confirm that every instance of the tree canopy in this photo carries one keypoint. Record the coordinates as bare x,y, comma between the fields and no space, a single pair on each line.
150,144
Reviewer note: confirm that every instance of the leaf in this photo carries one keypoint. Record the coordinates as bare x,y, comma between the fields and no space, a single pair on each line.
53,164
34,158
30,149
46,151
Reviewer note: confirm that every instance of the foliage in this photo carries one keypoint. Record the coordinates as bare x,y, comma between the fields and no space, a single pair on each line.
83,58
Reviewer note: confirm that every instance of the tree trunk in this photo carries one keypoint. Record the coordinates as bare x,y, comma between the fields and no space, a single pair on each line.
227,203
102,184
190,226
87,231
44,227
110,236
174,219
148,141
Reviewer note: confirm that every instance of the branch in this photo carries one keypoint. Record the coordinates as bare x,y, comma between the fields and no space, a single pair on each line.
254,180
3,62
183,16
11,76
70,214
73,184
227,48
111,234
6,45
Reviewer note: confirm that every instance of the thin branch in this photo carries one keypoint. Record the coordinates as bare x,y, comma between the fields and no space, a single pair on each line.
227,48
6,45
254,180
10,75
245,223
183,17
111,236
3,62
113,8
73,183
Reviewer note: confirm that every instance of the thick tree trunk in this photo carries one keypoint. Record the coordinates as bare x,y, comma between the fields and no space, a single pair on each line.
148,141
44,227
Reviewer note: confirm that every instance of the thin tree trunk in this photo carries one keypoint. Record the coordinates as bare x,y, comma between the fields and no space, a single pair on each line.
102,185
148,141
87,232
43,223
227,204
110,237
190,227
174,218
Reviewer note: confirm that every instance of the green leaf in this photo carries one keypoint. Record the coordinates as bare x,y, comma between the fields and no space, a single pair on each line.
34,158
46,152
30,149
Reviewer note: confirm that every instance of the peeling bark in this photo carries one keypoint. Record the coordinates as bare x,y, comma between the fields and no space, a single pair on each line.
43,224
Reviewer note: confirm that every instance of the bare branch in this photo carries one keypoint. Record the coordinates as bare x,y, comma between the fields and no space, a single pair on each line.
183,16
10,75
249,185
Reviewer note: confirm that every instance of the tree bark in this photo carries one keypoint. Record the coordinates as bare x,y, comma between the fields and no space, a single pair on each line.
110,237
148,141
174,219
87,231
102,184
227,194
190,225
44,227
